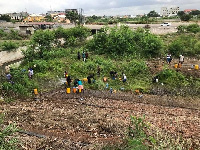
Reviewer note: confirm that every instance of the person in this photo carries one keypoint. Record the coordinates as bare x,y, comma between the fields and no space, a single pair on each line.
83,56
30,73
124,78
80,86
106,86
69,81
65,75
113,74
169,58
181,59
86,55
155,79
79,56
111,90
89,78
9,77
76,82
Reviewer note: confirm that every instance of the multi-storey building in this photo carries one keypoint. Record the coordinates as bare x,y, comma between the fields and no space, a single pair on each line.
169,11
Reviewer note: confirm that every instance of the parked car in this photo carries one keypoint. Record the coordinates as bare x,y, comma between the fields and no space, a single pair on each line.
165,24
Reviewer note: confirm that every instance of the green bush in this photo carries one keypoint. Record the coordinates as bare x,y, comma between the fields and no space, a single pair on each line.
184,44
194,28
21,85
9,46
124,42
6,142
172,78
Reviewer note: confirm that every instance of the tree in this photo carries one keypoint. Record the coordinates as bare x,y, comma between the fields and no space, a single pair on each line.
5,17
153,14
48,18
183,16
195,12
41,41
72,16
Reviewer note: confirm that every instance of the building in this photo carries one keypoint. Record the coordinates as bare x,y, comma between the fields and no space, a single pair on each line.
34,18
187,11
26,29
71,10
167,12
61,18
55,12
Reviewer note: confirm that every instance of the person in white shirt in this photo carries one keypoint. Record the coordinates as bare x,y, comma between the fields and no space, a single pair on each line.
181,59
124,78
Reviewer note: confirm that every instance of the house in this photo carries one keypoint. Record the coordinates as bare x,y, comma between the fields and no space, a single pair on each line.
18,16
26,29
61,18
187,11
34,18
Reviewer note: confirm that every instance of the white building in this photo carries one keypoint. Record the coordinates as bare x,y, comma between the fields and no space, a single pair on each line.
169,11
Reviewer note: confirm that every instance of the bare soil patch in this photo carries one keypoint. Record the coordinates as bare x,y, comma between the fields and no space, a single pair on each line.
89,121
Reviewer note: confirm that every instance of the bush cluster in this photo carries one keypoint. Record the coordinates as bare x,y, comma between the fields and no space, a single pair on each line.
123,42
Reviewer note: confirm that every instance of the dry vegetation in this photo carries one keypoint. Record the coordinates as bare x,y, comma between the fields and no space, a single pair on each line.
83,121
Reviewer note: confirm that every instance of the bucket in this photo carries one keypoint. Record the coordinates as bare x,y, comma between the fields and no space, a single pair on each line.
35,91
137,91
196,67
176,66
85,79
68,90
74,90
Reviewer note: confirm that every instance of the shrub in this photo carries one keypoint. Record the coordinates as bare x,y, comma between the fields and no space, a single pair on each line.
172,78
124,42
194,28
9,46
6,142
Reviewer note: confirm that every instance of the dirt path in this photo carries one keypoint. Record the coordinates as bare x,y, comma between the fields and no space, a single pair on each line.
88,122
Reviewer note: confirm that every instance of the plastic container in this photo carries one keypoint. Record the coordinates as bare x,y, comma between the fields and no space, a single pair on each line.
79,90
176,66
104,79
74,90
68,90
85,79
35,91
196,67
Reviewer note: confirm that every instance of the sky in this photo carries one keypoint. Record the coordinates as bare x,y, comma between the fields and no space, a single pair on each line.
96,7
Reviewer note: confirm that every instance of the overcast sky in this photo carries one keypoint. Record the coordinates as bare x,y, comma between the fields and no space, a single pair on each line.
96,7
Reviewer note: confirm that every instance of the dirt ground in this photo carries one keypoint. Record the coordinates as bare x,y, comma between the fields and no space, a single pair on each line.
91,120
